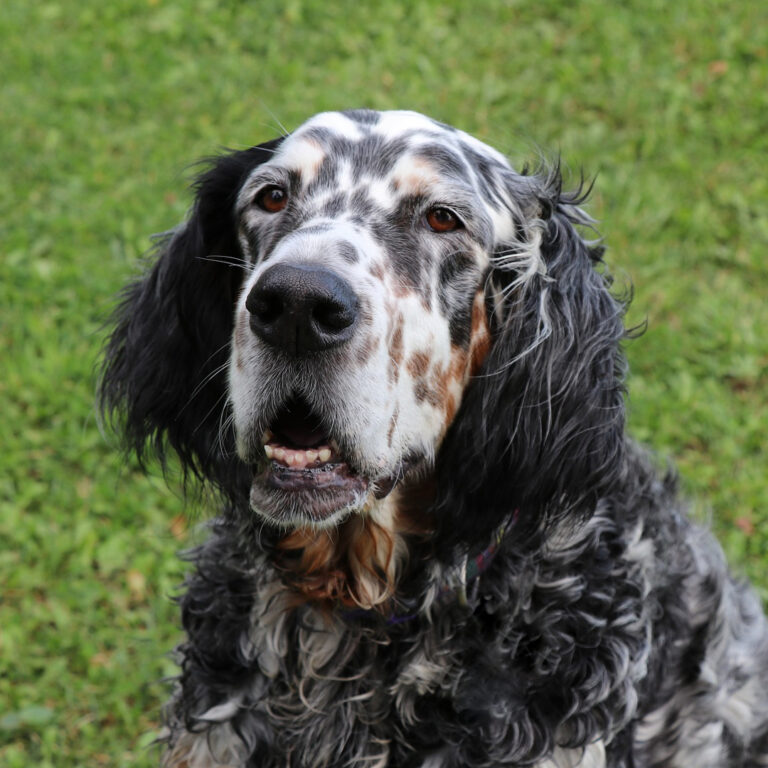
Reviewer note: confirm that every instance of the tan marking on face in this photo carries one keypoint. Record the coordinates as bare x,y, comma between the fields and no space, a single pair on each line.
452,383
480,337
424,392
466,363
377,270
400,289
396,349
418,364
450,410
308,156
418,177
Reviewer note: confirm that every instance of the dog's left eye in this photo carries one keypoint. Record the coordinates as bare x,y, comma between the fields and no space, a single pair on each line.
272,199
442,219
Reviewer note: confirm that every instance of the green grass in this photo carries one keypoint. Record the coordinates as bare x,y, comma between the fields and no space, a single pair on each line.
102,108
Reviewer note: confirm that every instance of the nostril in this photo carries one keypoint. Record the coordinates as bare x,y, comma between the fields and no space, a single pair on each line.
332,315
265,306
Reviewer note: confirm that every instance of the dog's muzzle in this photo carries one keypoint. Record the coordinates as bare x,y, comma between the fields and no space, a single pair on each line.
301,309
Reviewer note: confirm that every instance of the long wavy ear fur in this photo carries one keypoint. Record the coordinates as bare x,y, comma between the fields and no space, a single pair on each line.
541,427
163,379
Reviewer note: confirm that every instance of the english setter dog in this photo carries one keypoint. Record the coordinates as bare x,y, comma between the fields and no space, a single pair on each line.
399,363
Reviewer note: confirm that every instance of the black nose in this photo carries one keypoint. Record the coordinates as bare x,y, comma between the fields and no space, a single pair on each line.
302,308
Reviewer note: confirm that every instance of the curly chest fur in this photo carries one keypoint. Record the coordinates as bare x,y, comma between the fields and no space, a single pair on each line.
528,660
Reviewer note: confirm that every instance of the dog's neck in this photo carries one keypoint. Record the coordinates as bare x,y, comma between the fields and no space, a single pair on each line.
357,564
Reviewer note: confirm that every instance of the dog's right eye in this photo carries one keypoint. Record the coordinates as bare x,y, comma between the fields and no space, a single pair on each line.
442,219
272,199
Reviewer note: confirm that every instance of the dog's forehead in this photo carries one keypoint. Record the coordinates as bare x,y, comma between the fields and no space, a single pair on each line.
376,145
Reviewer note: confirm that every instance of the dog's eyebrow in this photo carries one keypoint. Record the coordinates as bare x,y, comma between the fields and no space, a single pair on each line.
446,161
288,176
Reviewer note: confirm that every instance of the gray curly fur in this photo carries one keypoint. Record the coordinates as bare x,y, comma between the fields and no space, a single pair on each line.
626,628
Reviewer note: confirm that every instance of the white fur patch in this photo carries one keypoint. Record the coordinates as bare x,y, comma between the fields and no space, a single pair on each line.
592,756
218,747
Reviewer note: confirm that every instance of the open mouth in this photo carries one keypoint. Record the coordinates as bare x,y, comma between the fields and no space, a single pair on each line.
303,459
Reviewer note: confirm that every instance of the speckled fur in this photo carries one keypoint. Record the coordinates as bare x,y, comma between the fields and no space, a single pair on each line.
486,378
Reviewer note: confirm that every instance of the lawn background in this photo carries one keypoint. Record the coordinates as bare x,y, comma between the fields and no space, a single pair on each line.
103,106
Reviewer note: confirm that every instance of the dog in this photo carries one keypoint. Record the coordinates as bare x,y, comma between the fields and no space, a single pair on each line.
398,363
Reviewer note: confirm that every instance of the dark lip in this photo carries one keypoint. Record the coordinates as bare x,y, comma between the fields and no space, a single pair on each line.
318,493
337,475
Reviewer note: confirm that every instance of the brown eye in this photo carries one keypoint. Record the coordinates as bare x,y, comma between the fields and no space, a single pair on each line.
272,199
442,220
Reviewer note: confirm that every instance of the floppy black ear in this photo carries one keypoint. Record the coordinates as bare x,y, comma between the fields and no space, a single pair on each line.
541,428
164,371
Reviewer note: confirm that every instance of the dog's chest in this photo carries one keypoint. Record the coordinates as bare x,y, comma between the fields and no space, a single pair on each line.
343,694
340,692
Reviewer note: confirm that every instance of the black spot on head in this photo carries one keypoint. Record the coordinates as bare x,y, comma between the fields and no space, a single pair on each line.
363,156
363,116
451,269
488,171
389,154
444,160
456,297
326,176
361,205
335,206
323,136
395,233
400,249
371,156
460,322
348,252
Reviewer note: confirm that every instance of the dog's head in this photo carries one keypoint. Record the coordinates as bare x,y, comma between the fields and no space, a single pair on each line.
373,296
